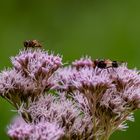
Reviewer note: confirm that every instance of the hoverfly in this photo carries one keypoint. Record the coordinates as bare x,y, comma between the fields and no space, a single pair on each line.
31,44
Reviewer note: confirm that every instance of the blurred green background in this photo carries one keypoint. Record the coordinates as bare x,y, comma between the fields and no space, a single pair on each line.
73,28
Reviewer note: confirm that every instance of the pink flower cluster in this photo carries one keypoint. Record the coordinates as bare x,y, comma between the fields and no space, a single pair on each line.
20,130
80,101
29,77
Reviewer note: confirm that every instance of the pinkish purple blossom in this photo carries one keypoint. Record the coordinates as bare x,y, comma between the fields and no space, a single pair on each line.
83,62
112,94
38,65
20,130
80,101
29,78
30,75
13,83
66,113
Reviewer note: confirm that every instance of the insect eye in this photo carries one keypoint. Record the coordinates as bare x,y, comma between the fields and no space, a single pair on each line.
25,43
114,64
101,64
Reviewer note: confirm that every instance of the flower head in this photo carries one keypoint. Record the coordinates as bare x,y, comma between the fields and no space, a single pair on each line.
112,94
29,77
83,62
37,64
20,130
66,113
83,101
13,83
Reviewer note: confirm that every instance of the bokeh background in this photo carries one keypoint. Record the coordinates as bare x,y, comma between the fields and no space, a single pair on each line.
73,28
